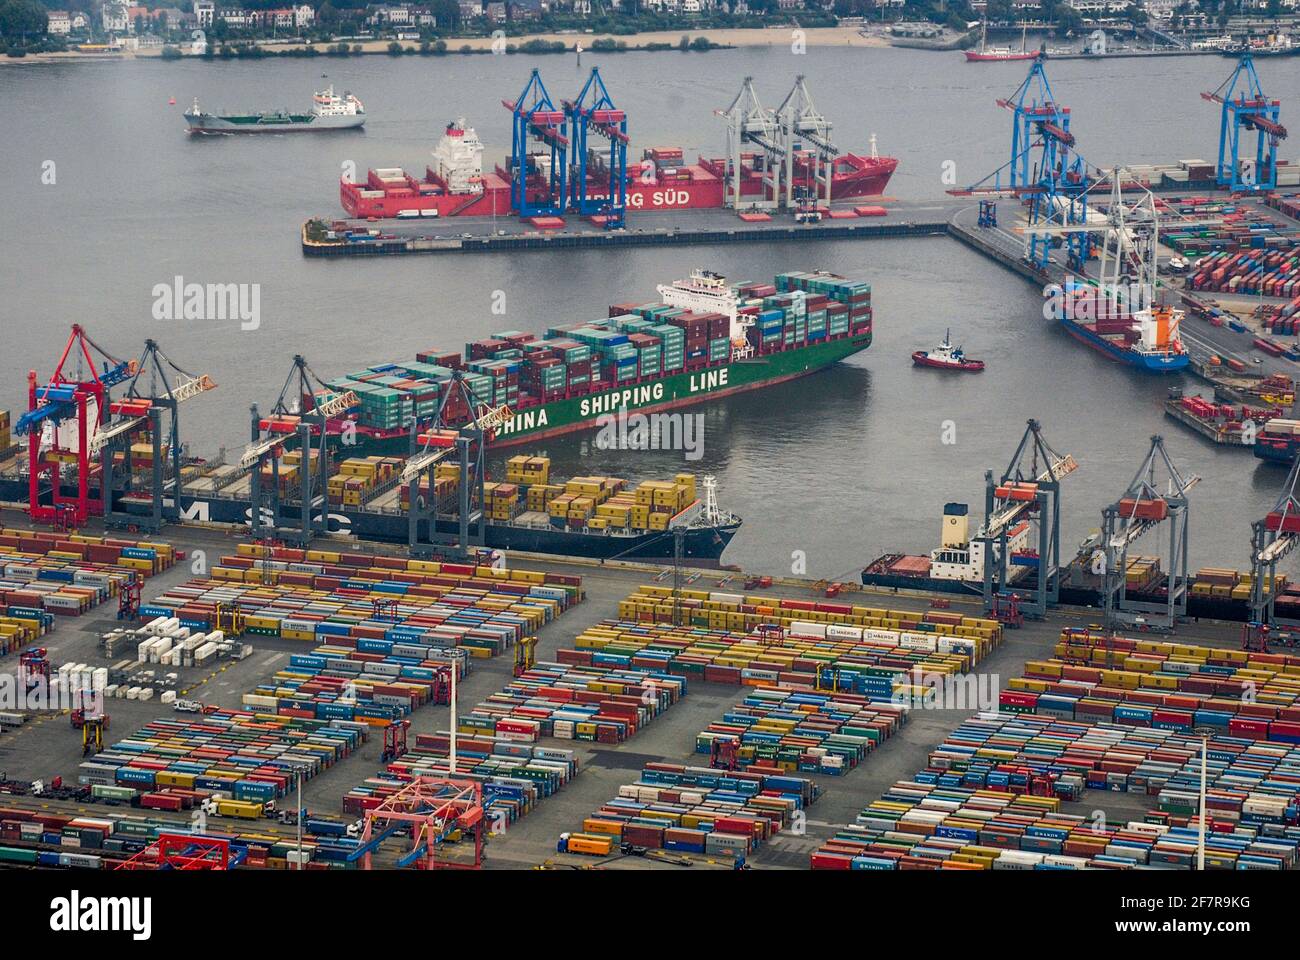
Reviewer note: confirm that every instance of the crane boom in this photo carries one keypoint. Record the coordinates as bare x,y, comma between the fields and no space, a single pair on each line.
184,390
487,421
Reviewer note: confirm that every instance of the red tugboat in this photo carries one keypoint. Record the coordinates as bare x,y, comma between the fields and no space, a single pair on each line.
947,357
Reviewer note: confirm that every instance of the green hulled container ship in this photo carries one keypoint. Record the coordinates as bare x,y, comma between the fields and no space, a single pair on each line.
703,338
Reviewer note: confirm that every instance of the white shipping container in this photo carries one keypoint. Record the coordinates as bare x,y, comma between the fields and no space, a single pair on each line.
806,628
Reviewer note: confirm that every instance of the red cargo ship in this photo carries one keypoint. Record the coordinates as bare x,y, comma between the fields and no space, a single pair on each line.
456,186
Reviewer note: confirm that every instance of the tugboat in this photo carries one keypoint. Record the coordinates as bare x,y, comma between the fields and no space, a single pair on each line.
947,357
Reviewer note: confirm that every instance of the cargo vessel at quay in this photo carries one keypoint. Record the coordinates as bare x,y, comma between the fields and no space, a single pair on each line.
455,184
702,339
1148,338
328,112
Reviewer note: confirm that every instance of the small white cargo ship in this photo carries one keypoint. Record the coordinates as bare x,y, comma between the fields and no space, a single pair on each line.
328,112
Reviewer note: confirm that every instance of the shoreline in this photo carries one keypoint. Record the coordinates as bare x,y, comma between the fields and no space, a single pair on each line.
722,39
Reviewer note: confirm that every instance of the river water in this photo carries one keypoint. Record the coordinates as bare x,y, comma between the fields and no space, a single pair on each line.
841,466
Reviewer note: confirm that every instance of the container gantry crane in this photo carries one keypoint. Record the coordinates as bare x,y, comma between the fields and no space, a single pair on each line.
1273,538
1029,492
465,446
750,123
1245,107
801,123
269,437
139,410
594,113
536,120
1142,508
62,416
1042,170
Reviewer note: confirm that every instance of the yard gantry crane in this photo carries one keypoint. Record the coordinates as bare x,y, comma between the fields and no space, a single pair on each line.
536,120
750,123
432,811
801,123
468,449
1030,493
1142,508
594,113
269,438
1273,538
138,410
60,421
1246,108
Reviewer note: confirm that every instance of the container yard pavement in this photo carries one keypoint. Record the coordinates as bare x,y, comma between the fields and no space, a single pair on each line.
49,746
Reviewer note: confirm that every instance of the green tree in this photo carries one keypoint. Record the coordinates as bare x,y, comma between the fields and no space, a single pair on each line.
22,18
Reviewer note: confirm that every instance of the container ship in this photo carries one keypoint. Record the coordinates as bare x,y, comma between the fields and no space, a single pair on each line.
703,339
328,112
592,516
957,568
455,184
1148,339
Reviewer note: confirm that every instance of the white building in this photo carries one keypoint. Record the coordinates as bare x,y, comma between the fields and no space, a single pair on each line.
398,16
114,18
58,23
204,12
80,22
1099,6
303,16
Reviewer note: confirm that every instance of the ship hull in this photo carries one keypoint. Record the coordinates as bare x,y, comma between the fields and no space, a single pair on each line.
854,176
1148,364
973,56
675,391
212,123
967,366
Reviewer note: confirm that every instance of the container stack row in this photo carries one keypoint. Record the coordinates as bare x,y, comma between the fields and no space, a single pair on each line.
699,810
250,758
991,796
602,705
68,576
372,682
735,612
876,664
1167,686
803,731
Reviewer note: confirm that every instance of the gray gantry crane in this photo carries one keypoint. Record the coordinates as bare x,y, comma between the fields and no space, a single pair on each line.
1273,538
749,123
1026,493
1141,509
137,410
800,123
270,436
467,447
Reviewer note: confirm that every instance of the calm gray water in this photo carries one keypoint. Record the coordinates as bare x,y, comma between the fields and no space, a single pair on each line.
843,466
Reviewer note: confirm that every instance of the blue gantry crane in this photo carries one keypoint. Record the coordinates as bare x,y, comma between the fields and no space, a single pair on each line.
594,113
1245,108
1043,166
537,178
1043,170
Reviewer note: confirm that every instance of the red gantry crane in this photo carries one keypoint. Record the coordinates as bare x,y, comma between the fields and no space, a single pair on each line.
431,809
62,418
